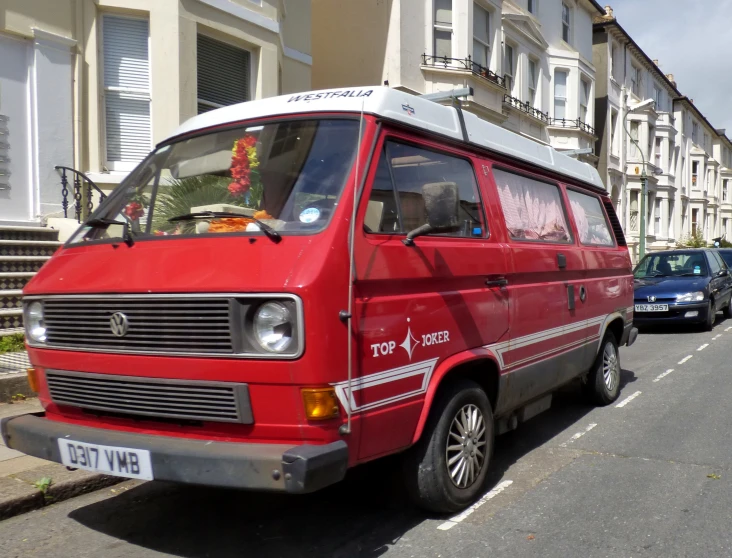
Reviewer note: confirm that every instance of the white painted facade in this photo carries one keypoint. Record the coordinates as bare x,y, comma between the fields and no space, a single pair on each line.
508,51
683,153
94,84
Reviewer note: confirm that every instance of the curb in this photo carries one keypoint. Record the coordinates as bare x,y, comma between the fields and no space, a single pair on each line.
56,493
14,384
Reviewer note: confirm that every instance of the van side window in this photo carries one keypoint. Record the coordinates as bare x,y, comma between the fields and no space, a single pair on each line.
396,205
590,218
533,210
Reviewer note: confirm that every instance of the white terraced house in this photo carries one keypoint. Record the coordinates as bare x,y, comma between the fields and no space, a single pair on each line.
87,87
529,62
687,161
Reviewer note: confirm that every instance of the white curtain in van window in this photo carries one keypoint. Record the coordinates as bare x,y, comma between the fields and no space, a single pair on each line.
532,209
590,219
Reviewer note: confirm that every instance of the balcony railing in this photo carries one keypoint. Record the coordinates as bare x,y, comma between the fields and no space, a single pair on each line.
526,107
463,64
576,124
82,187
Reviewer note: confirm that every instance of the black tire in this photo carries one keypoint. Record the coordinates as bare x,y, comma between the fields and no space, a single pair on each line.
711,315
599,389
425,465
727,310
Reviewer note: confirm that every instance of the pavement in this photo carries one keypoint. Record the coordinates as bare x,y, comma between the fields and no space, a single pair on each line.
22,486
649,476
13,376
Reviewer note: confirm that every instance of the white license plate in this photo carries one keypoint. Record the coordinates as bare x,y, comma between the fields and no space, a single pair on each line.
110,460
651,307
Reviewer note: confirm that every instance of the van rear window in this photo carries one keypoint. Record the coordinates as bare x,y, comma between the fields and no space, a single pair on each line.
533,210
590,219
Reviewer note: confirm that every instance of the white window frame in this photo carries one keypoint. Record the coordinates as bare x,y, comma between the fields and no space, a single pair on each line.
613,60
442,27
657,215
658,148
695,132
566,24
564,99
657,93
486,46
614,114
509,77
584,117
121,166
533,81
635,79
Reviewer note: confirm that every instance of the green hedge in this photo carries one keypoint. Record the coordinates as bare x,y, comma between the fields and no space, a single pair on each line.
12,343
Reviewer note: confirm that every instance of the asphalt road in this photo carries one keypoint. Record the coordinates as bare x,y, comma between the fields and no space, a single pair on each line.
650,476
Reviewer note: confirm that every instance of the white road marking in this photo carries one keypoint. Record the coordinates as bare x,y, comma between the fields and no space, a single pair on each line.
628,399
728,328
704,346
683,360
716,337
578,435
450,523
661,376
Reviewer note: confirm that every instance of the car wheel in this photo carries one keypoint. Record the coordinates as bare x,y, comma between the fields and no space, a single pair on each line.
727,310
603,382
446,470
711,315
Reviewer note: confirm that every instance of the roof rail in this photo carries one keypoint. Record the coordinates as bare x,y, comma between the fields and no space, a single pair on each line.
452,95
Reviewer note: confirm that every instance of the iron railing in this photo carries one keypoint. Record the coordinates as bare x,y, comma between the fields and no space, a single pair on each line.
526,107
577,124
81,185
463,64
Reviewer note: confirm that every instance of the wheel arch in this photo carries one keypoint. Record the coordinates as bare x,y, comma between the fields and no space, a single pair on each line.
614,323
479,365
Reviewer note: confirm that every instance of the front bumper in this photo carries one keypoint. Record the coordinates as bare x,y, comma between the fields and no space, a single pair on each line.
676,314
269,467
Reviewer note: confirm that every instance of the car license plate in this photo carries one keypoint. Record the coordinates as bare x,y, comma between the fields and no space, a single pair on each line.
110,460
651,307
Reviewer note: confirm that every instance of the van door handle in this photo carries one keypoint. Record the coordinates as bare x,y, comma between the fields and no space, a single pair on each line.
502,282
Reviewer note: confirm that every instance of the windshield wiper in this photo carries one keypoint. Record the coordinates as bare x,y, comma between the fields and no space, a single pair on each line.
104,222
266,229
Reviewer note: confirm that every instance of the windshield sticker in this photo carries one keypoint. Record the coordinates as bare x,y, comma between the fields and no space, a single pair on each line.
697,270
310,215
331,95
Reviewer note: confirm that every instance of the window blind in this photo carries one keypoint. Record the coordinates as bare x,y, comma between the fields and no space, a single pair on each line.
223,74
126,90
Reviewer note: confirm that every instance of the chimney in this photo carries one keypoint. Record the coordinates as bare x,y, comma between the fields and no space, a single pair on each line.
609,11
655,61
670,77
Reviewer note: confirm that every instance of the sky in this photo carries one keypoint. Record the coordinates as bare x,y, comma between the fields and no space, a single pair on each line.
692,39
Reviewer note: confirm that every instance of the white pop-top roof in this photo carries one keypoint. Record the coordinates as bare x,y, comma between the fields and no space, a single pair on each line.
406,108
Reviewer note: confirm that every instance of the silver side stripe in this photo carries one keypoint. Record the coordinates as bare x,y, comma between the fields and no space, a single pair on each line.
424,368
500,348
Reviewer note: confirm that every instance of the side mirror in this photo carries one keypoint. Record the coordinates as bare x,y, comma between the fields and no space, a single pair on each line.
441,207
723,273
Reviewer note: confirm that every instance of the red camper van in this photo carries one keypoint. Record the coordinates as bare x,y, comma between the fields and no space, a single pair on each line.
290,287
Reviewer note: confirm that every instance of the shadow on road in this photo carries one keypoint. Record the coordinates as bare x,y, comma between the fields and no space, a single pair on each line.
360,517
662,329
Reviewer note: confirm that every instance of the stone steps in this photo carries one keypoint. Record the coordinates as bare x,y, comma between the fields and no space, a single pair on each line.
23,251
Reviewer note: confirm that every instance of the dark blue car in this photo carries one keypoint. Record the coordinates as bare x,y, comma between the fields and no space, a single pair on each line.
679,286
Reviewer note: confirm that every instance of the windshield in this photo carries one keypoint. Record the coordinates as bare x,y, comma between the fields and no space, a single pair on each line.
674,264
285,177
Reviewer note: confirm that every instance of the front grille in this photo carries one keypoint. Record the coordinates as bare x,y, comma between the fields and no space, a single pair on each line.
128,395
154,325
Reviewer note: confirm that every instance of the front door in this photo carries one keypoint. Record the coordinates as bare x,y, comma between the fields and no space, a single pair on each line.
418,304
16,181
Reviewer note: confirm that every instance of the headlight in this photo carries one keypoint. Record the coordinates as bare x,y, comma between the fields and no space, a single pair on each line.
690,297
273,327
35,326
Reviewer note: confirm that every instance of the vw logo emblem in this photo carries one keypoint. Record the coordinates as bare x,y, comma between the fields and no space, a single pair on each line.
651,299
118,324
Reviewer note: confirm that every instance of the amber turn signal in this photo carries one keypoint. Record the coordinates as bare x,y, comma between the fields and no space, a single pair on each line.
320,403
33,379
